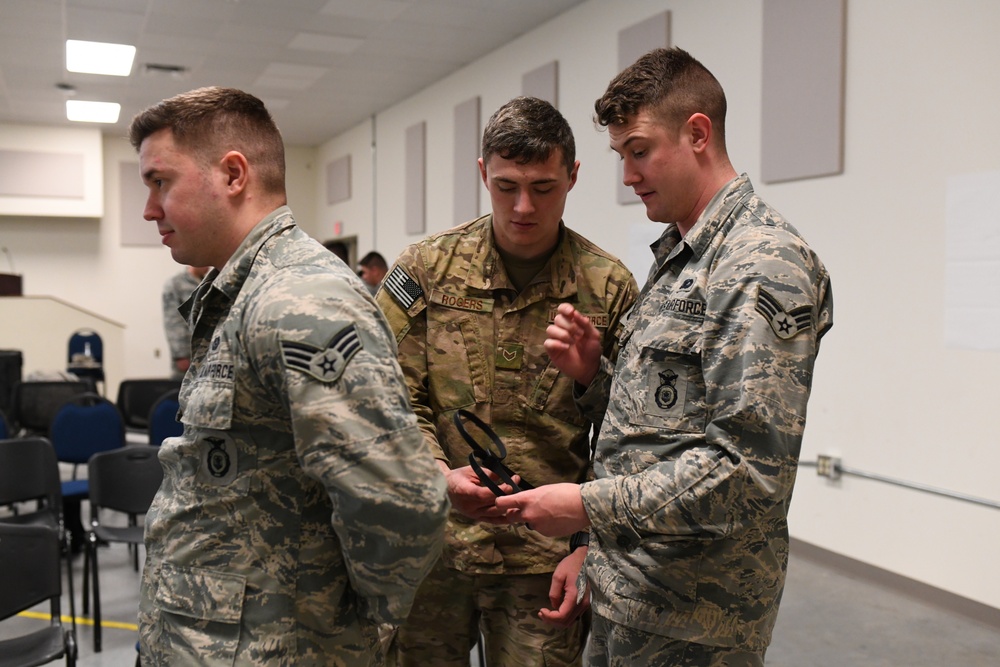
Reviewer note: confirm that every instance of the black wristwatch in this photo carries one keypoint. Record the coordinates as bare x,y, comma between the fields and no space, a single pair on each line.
580,539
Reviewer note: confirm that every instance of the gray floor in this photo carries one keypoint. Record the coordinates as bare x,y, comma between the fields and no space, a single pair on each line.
829,618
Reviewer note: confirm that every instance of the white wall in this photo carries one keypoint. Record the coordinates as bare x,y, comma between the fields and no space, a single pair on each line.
889,398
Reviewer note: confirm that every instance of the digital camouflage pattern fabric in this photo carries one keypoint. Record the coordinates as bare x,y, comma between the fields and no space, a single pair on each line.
176,291
468,339
697,456
301,507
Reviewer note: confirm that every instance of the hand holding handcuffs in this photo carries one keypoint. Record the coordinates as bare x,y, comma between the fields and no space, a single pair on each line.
489,457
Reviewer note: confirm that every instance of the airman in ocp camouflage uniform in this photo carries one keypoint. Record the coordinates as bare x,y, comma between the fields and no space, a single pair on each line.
470,307
300,508
706,406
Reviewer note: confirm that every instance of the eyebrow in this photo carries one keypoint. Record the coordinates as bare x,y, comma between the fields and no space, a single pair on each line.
541,181
626,143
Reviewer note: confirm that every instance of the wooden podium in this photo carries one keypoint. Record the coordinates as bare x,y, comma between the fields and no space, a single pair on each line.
10,285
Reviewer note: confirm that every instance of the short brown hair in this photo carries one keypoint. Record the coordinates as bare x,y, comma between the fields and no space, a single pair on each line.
211,121
526,130
671,84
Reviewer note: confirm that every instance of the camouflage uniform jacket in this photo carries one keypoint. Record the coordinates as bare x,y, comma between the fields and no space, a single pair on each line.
698,452
467,339
301,506
176,291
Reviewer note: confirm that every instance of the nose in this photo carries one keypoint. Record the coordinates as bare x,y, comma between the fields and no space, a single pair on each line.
152,211
630,175
523,203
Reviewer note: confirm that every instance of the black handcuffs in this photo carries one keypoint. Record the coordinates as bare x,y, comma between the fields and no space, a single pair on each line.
481,458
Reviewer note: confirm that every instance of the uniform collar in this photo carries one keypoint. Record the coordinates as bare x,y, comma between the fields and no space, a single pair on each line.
717,212
231,277
486,270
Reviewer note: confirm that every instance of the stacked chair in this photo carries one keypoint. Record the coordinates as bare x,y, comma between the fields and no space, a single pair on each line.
29,475
121,480
30,575
136,398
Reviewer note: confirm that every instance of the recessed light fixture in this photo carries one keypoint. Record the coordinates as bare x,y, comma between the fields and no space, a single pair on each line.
99,57
93,112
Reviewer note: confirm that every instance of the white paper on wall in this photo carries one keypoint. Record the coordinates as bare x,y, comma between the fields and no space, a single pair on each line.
972,262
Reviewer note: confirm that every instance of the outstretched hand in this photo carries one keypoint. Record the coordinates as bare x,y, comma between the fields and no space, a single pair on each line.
555,510
574,344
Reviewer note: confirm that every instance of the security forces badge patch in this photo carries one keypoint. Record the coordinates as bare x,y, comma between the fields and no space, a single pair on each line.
218,458
326,364
784,324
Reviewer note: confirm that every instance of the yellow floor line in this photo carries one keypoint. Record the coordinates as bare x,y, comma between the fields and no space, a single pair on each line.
81,620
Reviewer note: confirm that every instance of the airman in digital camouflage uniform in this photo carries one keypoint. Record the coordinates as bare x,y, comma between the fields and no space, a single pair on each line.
301,507
176,290
470,307
698,452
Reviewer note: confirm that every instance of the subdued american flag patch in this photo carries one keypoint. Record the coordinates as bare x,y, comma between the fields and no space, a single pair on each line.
325,364
402,287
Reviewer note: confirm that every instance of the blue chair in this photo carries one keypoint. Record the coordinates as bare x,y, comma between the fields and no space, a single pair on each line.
85,356
83,426
163,422
4,428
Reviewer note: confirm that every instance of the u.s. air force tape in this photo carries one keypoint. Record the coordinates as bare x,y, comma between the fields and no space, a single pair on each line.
402,287
325,364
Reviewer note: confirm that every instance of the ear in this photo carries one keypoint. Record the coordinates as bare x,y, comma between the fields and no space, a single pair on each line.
237,171
699,128
573,174
482,171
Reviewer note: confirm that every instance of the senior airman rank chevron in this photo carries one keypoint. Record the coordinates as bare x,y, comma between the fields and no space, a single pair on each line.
402,287
785,324
325,364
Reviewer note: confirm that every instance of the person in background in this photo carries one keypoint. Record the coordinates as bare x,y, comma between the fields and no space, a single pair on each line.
176,291
698,452
470,307
372,270
338,248
301,507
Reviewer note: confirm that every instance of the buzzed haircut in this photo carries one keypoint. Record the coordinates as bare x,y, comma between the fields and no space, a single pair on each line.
209,122
669,83
527,130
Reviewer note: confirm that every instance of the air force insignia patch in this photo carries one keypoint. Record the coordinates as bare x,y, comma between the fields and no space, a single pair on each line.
325,364
785,324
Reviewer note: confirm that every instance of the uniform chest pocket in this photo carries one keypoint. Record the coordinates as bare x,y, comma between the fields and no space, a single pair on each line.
457,371
208,399
668,386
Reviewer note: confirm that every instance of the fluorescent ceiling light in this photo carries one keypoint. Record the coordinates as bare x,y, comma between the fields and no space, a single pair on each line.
93,112
99,57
